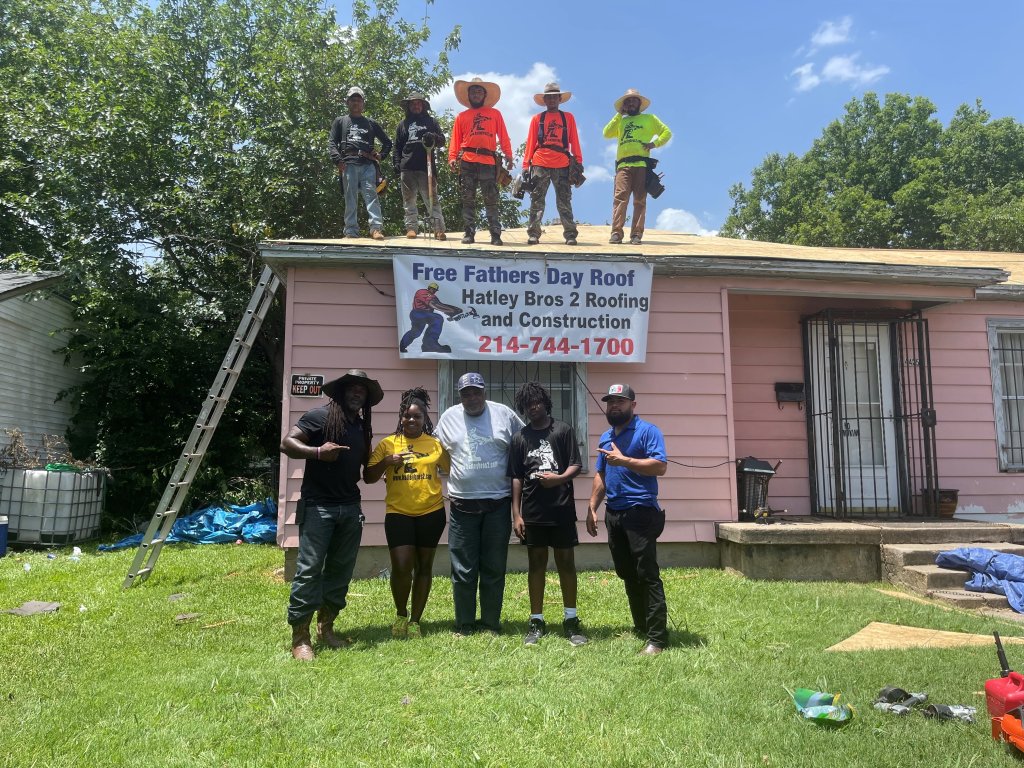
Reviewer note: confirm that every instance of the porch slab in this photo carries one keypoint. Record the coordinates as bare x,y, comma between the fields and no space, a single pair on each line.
823,549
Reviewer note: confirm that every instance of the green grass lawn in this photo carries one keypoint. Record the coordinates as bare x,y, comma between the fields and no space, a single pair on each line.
112,679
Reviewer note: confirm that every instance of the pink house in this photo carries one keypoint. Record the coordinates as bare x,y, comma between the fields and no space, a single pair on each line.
881,379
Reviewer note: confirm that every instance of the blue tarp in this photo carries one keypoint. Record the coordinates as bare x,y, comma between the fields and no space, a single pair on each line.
995,572
256,523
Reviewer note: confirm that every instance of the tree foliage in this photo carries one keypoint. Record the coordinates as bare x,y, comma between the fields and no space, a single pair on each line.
145,150
891,175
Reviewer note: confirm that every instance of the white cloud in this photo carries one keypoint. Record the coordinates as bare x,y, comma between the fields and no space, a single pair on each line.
678,220
597,173
845,69
806,77
831,33
516,104
838,69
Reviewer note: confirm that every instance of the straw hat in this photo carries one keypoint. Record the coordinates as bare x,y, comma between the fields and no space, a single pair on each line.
549,89
462,91
632,93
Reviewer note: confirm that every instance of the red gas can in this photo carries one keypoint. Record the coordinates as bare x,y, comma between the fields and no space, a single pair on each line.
1004,693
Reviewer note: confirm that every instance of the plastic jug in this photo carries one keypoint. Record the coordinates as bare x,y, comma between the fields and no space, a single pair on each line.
1003,694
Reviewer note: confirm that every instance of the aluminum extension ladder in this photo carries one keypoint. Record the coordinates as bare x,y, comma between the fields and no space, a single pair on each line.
192,453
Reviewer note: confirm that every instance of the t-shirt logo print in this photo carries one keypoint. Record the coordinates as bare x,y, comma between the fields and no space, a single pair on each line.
628,129
415,131
545,456
480,125
356,134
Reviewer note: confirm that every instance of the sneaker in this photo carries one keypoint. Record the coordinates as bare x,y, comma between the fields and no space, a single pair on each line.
400,628
468,239
615,239
377,234
571,241
411,234
536,631
496,240
634,241
413,630
532,240
574,632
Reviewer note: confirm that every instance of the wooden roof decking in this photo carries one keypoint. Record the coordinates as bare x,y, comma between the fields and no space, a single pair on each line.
995,274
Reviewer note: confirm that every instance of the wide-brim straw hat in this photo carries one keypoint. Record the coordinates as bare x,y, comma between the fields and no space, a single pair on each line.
552,89
462,91
374,394
416,96
632,93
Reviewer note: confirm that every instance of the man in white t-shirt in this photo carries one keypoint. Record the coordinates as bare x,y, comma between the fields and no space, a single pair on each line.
477,434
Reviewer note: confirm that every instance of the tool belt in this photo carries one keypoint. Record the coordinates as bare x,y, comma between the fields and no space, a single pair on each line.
652,181
501,174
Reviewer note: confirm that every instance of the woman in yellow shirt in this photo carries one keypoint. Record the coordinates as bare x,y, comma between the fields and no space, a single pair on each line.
409,461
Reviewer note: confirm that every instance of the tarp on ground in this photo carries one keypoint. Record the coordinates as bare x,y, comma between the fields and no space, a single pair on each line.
256,523
996,572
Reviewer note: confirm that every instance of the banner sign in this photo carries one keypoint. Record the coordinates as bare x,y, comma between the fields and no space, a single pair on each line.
522,309
307,385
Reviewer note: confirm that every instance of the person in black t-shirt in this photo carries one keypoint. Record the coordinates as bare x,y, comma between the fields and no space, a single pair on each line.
543,459
415,139
335,441
353,151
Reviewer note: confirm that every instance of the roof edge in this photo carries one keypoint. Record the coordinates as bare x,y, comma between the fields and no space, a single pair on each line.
284,254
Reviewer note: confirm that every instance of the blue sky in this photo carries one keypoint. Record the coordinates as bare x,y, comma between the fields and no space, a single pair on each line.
734,81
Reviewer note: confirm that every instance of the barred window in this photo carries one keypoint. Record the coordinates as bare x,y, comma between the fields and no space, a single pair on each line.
1006,344
565,383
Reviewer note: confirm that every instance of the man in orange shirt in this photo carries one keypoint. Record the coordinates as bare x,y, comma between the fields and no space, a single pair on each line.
475,136
550,144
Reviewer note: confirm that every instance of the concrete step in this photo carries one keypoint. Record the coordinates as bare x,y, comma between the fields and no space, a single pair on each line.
896,556
948,532
961,598
925,578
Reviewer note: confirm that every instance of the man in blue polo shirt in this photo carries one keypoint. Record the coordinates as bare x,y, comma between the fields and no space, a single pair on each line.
630,459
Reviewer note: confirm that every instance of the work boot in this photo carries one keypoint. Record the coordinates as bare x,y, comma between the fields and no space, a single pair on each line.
439,235
377,234
411,234
496,240
531,240
325,629
302,645
468,238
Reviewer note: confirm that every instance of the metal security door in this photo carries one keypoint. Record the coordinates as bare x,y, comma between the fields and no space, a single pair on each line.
870,418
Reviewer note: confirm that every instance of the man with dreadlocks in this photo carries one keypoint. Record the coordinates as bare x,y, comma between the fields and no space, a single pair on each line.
409,461
542,461
335,441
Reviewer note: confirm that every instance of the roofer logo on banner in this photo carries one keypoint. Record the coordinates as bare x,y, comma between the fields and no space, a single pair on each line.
428,322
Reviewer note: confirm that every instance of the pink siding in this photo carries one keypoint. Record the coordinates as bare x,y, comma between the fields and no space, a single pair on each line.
965,432
336,321
715,349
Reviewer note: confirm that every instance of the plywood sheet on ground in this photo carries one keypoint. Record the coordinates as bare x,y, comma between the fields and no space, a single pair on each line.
879,636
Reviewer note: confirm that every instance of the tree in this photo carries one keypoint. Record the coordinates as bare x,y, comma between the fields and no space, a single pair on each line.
145,150
889,175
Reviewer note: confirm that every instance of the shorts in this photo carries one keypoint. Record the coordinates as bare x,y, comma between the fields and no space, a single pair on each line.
414,530
560,536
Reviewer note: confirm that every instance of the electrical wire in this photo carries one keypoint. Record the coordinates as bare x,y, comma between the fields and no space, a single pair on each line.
600,407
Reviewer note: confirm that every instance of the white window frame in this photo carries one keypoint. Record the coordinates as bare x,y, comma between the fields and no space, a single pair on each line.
1003,427
578,421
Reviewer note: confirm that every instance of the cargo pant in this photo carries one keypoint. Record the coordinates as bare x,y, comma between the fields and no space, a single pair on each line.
543,178
471,176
